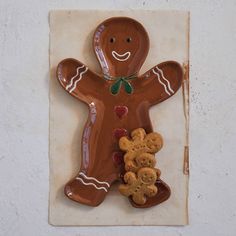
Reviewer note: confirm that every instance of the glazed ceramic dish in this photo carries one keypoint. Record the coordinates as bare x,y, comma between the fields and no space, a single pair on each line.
118,100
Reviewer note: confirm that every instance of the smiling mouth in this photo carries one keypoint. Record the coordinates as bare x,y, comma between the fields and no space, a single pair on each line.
121,57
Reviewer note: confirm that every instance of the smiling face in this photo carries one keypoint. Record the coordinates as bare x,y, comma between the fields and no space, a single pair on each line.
147,175
121,45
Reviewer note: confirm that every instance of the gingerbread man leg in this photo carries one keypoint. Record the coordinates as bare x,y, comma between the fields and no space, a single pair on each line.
98,169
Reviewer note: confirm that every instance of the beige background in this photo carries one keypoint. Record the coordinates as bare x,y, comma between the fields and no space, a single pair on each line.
71,36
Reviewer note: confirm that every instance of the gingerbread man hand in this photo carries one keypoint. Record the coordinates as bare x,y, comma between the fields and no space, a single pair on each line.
162,81
141,186
78,80
139,148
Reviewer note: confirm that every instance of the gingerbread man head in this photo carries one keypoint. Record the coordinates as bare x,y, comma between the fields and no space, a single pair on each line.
147,175
121,45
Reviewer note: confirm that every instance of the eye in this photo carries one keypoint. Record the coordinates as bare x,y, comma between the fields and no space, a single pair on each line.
112,40
128,40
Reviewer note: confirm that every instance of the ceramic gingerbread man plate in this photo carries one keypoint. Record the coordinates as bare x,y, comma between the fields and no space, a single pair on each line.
118,99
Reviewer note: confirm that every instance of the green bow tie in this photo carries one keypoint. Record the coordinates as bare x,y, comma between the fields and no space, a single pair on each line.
119,81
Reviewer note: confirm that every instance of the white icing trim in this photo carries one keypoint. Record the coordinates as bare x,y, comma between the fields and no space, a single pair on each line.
80,77
159,79
77,72
87,177
116,55
168,83
91,184
102,60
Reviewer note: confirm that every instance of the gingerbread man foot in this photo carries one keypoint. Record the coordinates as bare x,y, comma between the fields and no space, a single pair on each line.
80,188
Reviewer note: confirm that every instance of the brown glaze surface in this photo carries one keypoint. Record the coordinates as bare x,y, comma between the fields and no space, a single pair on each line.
118,101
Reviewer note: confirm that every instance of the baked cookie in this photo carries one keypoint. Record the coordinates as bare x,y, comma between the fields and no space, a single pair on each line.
142,160
140,187
139,149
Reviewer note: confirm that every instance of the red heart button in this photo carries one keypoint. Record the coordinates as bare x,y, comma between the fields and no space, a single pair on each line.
120,132
118,158
121,111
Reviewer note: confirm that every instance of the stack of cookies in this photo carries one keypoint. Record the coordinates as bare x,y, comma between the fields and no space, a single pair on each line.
141,174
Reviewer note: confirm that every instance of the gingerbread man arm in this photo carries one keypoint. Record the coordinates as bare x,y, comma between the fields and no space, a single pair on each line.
160,82
78,80
138,134
130,177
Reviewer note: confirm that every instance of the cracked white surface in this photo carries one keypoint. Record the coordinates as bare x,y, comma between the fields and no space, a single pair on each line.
24,118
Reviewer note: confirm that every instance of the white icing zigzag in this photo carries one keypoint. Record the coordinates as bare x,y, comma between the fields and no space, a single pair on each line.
91,184
163,81
87,177
72,85
168,83
72,79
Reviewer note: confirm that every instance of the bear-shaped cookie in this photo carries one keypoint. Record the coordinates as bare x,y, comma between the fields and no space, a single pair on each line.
138,149
141,186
